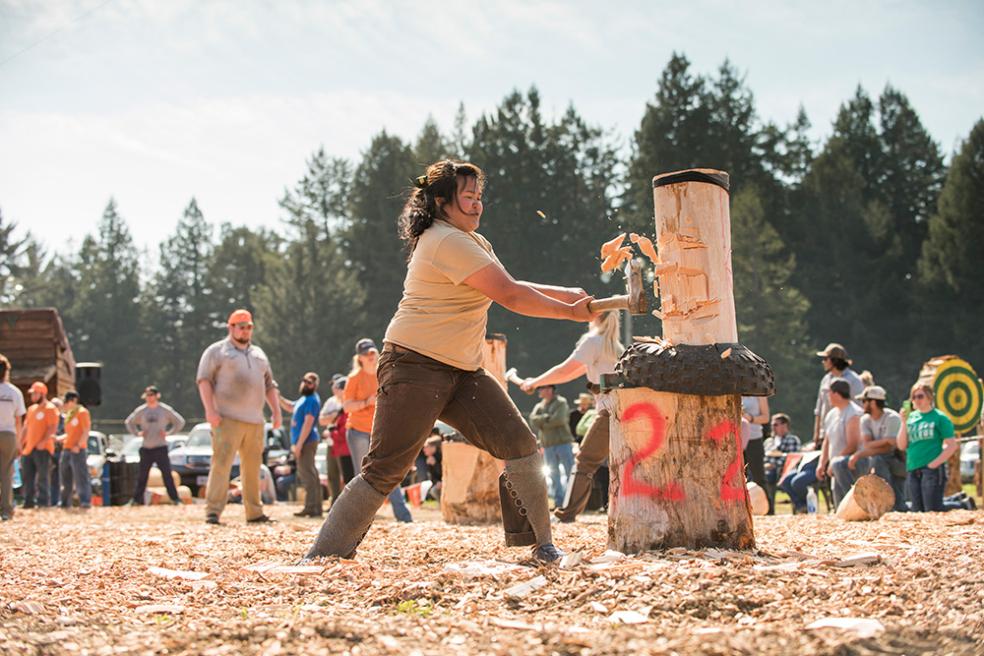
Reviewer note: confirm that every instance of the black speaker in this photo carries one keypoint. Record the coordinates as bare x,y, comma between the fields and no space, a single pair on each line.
87,376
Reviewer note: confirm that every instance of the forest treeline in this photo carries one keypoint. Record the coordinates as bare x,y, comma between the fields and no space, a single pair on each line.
868,238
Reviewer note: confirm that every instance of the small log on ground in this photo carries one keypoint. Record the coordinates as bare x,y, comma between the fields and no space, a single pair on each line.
470,494
869,499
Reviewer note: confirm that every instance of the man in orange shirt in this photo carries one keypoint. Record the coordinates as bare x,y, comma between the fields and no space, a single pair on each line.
72,468
37,444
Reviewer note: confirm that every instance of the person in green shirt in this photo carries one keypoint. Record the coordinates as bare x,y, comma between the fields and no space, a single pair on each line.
927,437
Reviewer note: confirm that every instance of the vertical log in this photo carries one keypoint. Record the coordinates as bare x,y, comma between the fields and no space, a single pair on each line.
470,494
677,473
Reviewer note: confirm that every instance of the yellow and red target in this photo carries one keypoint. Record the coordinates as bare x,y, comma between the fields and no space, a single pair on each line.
959,393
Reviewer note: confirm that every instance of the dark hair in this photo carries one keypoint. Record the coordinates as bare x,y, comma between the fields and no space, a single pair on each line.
879,402
4,365
421,208
840,364
71,396
781,417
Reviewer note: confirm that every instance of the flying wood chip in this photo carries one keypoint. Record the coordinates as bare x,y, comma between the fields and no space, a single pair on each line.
646,246
541,214
610,247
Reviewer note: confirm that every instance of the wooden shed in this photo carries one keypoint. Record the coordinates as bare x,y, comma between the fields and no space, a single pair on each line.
35,343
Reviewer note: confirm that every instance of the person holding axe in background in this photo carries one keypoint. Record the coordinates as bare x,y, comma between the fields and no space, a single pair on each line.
431,365
595,353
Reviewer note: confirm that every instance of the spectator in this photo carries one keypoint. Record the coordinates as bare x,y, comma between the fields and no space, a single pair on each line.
927,437
879,429
360,404
333,417
755,410
234,379
842,430
594,355
54,479
73,469
435,472
584,424
37,445
12,413
549,420
153,421
304,441
781,443
836,365
585,403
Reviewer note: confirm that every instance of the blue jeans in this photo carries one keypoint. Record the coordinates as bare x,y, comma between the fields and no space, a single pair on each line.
358,444
925,488
557,457
797,485
73,472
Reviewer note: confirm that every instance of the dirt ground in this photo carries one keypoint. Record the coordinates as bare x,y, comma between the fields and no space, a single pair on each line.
158,580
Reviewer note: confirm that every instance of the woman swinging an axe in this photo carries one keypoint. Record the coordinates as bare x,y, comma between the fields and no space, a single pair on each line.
595,353
431,365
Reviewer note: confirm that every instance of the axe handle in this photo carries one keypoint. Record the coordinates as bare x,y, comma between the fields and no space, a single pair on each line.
610,303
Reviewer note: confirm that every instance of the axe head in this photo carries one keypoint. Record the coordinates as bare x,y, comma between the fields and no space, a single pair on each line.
638,301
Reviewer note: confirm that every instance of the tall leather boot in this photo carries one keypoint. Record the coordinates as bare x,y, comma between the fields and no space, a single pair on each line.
579,487
526,498
348,521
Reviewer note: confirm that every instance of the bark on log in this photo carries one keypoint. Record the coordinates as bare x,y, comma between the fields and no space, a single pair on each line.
869,499
677,474
470,494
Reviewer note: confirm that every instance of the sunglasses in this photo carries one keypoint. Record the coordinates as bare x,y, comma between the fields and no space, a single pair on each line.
919,395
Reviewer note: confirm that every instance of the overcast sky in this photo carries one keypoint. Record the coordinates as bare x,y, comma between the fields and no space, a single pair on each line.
156,101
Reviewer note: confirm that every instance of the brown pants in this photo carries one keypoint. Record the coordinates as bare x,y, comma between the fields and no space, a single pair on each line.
307,470
8,453
229,438
594,450
414,392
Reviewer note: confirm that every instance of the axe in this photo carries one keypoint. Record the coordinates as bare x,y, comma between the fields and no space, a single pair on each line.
514,378
635,299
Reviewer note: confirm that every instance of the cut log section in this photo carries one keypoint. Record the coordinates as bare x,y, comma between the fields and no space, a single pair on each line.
869,499
677,473
470,494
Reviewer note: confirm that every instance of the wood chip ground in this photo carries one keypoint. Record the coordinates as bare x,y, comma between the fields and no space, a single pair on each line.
157,580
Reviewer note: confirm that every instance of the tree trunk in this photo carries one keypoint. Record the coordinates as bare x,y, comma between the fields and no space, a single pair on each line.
470,494
677,472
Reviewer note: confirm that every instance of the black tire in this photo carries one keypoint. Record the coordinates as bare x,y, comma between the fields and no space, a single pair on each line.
697,370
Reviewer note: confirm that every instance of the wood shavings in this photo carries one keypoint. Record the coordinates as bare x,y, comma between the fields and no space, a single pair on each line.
690,600
611,246
726,353
645,245
863,627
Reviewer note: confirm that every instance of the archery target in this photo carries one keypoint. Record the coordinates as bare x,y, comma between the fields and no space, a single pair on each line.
959,394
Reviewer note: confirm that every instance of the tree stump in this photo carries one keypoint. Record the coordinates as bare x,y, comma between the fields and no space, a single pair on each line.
869,499
677,473
470,494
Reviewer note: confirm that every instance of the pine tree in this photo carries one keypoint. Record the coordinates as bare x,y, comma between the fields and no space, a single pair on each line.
239,265
104,321
12,251
951,307
771,311
431,146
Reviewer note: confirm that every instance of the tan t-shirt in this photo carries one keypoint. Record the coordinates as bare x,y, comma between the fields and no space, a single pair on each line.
438,316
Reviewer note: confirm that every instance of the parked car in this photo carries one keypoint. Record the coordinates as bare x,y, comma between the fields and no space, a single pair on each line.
95,458
321,462
970,455
193,459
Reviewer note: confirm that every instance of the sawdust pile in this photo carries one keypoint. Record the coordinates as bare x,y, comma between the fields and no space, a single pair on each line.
158,580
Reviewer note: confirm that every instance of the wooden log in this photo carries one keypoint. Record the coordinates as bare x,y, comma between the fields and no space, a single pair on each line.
758,498
676,466
470,494
693,228
677,473
869,499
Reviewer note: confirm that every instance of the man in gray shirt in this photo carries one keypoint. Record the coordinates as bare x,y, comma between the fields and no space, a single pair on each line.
154,421
234,379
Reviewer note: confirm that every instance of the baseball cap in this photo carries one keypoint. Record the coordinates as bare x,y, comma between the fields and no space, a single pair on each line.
39,387
150,389
240,316
365,345
841,386
834,350
875,392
